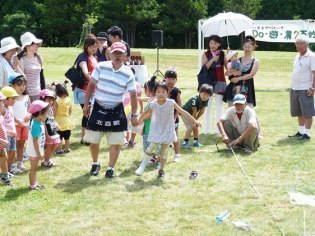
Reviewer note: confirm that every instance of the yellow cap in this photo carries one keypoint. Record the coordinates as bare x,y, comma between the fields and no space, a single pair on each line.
9,92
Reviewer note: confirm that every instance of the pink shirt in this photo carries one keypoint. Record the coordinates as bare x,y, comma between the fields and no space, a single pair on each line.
127,99
9,119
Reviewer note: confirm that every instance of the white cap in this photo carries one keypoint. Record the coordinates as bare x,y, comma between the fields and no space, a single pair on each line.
230,55
29,38
9,43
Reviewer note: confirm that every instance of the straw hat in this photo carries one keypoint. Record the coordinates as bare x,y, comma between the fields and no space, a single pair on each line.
9,43
29,38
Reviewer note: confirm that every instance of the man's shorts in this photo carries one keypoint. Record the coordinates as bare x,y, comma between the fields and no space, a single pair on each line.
301,104
113,138
21,133
12,141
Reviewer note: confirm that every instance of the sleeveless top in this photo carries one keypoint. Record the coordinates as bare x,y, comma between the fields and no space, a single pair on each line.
3,133
162,128
248,87
9,119
20,109
173,95
217,73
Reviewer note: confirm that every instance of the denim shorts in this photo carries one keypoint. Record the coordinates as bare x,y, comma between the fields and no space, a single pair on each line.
12,141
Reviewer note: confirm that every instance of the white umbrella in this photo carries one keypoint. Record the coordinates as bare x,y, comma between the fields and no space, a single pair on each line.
225,24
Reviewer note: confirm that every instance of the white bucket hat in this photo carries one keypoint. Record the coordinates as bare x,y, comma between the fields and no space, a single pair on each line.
9,43
29,38
230,55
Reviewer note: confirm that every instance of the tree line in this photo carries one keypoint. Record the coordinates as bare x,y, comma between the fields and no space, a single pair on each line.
63,23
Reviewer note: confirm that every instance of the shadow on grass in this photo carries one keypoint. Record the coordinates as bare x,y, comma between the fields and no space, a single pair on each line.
81,182
139,184
289,142
14,193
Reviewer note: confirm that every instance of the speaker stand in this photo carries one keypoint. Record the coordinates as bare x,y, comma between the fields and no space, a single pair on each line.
158,72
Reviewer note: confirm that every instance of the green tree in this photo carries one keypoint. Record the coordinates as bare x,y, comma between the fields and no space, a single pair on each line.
61,21
249,8
126,14
181,17
16,24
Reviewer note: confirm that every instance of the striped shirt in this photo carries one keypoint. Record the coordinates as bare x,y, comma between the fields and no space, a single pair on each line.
303,66
111,84
31,67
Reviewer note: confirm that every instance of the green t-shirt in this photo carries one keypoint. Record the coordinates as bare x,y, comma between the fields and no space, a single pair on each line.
194,101
147,123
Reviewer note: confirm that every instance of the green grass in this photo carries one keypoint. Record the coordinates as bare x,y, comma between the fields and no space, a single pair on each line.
75,203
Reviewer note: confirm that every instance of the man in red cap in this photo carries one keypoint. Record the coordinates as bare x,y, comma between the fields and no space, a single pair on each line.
109,80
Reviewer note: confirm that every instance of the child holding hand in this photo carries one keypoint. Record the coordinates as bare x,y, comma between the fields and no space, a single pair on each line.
162,128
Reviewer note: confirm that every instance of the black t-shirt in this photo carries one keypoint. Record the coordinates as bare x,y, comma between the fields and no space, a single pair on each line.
173,95
128,48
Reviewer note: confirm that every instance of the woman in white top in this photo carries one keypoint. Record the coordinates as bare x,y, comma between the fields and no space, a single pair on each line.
8,50
31,63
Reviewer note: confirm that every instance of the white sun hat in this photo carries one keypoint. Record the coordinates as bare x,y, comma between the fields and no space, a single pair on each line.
230,55
9,43
29,38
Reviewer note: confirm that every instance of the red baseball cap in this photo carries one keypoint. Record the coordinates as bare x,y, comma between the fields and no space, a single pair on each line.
118,46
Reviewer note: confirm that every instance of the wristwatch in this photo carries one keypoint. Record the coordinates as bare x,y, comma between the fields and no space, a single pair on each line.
312,88
134,115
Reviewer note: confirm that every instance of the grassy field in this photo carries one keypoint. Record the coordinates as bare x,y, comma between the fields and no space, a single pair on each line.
76,204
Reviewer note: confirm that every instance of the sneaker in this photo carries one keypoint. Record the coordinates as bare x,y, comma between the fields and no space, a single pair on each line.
304,137
15,171
186,145
25,157
297,135
161,174
177,158
197,144
66,150
248,150
48,164
110,173
11,175
22,167
95,169
59,152
131,144
84,142
6,181
37,187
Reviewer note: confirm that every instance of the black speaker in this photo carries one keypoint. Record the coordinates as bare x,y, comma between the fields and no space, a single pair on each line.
157,38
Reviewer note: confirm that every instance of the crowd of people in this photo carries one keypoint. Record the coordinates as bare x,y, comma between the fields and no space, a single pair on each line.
35,120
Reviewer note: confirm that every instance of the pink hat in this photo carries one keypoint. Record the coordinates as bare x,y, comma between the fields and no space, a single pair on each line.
37,106
46,93
2,97
118,46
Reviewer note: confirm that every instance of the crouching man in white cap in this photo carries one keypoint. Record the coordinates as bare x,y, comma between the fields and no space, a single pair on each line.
239,127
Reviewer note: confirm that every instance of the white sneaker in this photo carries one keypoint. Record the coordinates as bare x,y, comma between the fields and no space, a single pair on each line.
143,164
22,167
177,158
